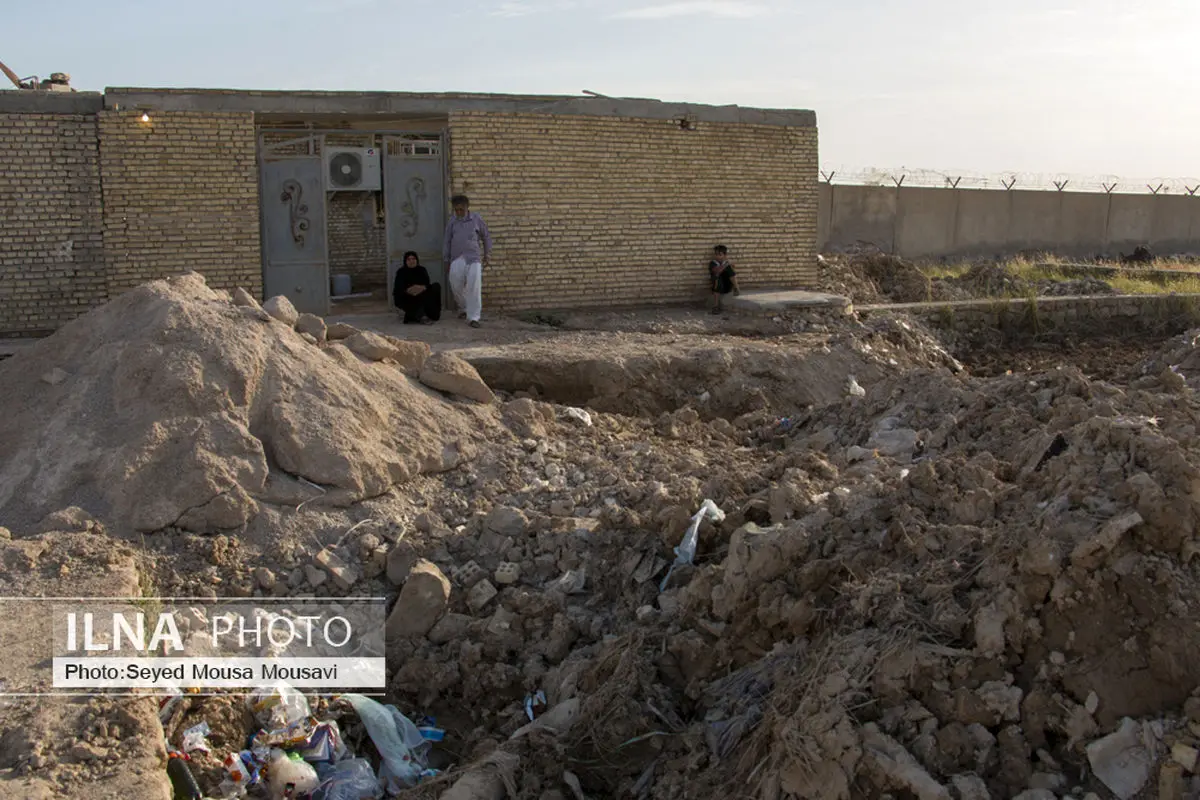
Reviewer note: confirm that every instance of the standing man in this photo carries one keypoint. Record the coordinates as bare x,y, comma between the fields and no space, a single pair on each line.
465,233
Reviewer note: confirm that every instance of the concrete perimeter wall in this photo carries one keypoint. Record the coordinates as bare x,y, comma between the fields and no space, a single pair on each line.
598,210
916,222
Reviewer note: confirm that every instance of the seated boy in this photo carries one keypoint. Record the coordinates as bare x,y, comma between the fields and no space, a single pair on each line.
724,279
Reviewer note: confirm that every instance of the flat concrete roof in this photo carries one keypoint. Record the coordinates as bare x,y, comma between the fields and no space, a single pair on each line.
34,101
401,104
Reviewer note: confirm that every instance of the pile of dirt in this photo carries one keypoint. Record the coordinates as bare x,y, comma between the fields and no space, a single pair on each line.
844,276
172,406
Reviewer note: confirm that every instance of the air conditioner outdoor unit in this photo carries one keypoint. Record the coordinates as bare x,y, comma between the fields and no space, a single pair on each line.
352,169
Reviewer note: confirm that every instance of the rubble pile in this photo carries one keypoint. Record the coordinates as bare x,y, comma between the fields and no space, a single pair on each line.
843,275
830,565
949,587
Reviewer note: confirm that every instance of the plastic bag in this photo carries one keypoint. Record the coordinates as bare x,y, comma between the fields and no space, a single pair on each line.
400,744
324,745
352,779
194,738
278,707
686,552
289,776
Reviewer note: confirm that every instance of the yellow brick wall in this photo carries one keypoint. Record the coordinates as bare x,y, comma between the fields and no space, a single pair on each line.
51,264
608,211
180,193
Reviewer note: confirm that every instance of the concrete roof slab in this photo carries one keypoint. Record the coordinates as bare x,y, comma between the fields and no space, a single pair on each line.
406,103
32,101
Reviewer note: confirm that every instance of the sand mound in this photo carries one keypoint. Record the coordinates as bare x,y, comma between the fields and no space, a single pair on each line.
170,406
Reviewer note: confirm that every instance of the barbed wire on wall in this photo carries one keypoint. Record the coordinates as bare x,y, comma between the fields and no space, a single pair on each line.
961,179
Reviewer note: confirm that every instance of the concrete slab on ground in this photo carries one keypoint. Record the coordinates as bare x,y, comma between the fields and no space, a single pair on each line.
766,300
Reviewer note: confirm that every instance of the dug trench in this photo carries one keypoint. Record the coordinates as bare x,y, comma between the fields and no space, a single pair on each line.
921,583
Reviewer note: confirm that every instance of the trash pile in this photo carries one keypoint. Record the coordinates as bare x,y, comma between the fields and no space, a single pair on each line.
299,753
829,566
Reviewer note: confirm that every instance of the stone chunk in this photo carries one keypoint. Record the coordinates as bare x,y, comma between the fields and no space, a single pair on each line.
255,313
422,601
312,325
400,561
371,345
1121,760
970,787
265,578
343,574
339,330
282,309
506,521
989,629
448,373
502,622
411,356
481,595
375,562
449,628
1090,553
243,298
1185,755
315,576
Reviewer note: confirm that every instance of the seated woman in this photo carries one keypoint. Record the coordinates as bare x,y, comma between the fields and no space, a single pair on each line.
414,295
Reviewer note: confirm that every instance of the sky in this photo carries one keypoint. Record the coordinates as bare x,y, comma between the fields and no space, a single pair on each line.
1079,87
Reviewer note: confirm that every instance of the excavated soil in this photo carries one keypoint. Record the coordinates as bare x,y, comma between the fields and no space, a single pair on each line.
928,582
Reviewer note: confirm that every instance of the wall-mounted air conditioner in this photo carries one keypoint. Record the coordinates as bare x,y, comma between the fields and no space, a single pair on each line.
352,169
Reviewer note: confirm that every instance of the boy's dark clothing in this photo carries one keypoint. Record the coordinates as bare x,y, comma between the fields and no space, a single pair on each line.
426,304
722,276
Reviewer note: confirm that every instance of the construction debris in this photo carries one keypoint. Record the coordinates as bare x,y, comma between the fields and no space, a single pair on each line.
933,585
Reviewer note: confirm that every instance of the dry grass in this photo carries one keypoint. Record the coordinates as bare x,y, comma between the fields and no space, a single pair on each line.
1034,269
1128,283
791,734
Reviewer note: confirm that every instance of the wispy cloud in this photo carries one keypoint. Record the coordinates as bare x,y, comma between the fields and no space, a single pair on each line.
525,8
513,10
724,9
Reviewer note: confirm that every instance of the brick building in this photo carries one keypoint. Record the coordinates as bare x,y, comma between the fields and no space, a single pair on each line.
591,201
